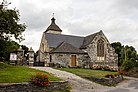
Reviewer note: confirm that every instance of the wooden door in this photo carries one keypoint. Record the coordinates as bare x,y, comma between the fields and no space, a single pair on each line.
73,60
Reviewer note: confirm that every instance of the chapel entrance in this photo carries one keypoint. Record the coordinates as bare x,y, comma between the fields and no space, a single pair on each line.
73,60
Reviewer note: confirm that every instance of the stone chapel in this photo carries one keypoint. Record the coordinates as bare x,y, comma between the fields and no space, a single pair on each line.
91,51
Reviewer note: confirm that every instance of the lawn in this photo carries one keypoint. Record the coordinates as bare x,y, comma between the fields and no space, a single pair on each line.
16,74
88,72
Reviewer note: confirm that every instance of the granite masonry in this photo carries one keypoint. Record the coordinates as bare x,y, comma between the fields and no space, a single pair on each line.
28,87
90,51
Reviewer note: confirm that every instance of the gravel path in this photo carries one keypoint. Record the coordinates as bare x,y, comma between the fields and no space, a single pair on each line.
77,83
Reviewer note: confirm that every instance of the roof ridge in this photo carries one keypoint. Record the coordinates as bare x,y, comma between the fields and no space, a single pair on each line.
93,34
67,35
59,45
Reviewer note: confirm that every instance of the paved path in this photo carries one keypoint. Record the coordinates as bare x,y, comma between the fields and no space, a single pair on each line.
82,85
130,85
77,83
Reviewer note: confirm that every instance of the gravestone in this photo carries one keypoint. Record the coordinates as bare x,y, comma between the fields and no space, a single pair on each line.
13,58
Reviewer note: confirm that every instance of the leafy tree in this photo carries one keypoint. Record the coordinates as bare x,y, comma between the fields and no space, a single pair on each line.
35,55
9,28
25,48
127,55
130,56
7,47
9,23
127,65
122,56
118,48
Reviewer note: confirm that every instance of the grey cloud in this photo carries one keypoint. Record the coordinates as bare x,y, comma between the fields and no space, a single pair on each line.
33,17
39,18
117,18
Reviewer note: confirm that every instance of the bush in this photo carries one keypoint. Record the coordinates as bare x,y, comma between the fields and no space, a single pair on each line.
106,68
110,76
132,72
128,64
40,80
121,72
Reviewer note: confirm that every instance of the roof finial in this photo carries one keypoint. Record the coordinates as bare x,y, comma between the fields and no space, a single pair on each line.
53,19
53,15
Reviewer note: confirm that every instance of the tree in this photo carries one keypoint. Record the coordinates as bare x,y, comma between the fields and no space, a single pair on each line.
9,28
7,47
25,48
118,48
127,55
9,23
35,55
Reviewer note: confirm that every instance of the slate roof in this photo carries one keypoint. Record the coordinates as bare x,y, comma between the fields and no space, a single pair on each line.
71,43
88,39
53,26
67,48
55,39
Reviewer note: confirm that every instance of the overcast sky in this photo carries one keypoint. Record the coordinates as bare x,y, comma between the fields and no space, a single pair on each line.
117,18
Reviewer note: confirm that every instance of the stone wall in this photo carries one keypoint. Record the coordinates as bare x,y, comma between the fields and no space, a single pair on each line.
110,57
107,81
42,49
65,59
84,61
28,87
54,32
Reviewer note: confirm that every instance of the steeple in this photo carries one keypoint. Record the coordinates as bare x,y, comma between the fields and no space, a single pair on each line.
53,28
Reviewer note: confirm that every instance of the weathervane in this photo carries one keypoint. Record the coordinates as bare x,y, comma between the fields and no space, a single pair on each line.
53,15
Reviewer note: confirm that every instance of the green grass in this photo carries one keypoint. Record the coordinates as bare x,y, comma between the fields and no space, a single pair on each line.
16,74
88,72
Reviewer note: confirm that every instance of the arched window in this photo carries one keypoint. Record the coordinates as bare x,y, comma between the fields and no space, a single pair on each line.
100,49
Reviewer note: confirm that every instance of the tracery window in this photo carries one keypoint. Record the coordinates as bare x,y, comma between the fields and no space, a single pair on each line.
100,50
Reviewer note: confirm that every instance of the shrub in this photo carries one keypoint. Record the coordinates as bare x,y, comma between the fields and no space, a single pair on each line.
110,76
132,72
107,75
102,67
121,72
40,80
116,75
106,68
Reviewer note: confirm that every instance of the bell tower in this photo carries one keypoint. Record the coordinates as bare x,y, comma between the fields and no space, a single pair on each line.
53,28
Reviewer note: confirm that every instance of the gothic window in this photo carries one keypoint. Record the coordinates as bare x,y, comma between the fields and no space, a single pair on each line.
100,49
